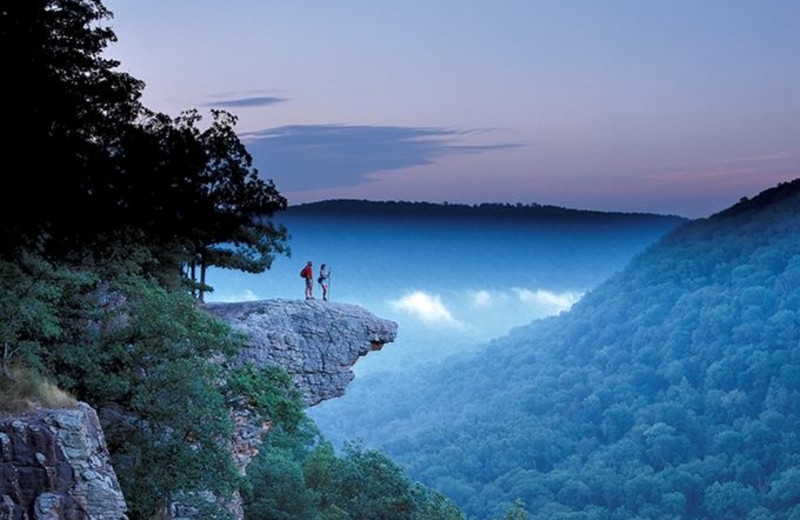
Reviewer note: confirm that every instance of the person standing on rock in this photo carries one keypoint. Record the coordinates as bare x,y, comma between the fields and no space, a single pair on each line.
308,273
324,280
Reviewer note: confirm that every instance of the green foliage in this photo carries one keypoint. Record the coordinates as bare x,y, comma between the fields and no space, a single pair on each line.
36,297
148,354
130,348
300,476
371,486
268,390
281,492
141,355
729,501
516,511
429,504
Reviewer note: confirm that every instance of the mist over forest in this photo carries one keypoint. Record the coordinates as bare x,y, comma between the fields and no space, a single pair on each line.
452,276
669,391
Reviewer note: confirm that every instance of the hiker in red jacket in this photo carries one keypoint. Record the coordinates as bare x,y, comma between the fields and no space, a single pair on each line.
308,274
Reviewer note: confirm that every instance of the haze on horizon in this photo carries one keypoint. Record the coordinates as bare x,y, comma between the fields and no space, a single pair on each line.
677,107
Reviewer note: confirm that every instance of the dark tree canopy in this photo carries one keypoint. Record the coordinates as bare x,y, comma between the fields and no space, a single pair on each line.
108,171
195,193
66,102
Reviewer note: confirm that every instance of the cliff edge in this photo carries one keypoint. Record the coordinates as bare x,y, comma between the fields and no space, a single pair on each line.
54,465
317,342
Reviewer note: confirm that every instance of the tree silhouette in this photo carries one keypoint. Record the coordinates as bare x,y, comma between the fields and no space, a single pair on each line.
66,101
111,172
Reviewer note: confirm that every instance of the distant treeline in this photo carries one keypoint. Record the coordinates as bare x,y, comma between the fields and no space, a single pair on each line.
429,210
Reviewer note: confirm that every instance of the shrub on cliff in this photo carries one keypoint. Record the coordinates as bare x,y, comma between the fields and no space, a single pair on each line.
143,359
123,340
270,392
300,476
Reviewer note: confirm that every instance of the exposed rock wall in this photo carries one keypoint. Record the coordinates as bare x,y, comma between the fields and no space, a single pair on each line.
317,342
54,465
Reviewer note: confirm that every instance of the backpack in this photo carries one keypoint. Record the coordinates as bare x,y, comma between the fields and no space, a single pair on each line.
303,272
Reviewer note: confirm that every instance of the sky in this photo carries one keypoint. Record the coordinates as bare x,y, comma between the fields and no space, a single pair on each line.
677,107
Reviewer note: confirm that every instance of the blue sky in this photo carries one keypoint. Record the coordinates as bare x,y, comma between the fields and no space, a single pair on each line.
634,105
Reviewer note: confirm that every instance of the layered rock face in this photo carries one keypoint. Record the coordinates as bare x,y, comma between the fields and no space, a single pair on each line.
317,342
54,465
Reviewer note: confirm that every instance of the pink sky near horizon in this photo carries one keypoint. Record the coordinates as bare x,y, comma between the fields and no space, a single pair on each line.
678,107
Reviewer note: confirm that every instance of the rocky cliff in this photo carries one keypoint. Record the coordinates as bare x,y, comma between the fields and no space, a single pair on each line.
54,465
317,342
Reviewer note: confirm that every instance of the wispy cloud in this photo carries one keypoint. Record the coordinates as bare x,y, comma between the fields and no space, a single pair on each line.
547,300
246,102
541,301
481,299
428,308
303,157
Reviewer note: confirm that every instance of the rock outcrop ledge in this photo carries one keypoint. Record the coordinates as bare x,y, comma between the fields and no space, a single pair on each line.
54,465
317,342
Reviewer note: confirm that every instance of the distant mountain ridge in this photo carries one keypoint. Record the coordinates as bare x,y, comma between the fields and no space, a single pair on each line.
397,209
672,391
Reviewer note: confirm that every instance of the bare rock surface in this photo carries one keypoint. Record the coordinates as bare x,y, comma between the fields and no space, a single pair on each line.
316,341
54,465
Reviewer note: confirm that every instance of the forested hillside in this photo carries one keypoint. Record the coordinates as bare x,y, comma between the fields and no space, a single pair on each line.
406,210
671,391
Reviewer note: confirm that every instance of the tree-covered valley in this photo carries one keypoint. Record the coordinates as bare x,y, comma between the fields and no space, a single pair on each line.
668,392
